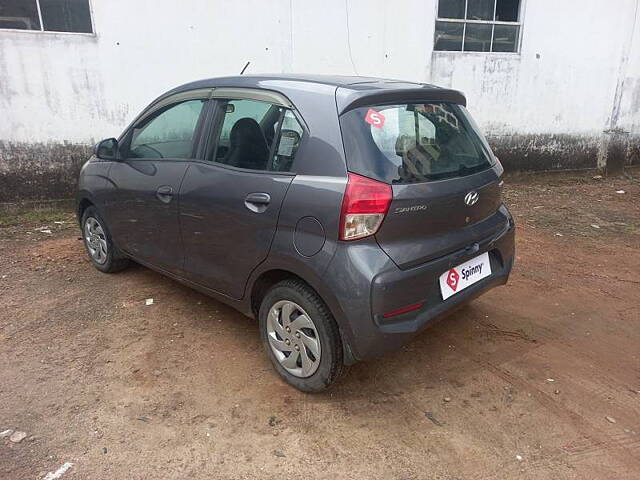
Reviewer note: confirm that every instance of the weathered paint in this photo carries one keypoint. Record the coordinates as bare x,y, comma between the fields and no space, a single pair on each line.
38,171
546,152
633,150
569,99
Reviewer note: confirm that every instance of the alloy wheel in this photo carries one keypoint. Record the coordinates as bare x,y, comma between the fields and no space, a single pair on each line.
96,240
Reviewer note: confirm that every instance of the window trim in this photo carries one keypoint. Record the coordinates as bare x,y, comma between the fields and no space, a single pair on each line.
258,95
42,31
519,23
288,173
196,94
276,138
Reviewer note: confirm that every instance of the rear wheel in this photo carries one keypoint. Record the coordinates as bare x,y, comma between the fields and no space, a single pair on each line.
98,243
300,336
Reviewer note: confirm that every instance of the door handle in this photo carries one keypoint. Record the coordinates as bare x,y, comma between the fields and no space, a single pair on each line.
257,202
164,193
258,198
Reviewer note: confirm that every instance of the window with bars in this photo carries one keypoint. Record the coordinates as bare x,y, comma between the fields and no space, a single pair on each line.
46,15
478,26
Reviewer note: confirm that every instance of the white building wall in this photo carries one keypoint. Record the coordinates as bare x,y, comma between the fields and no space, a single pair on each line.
559,91
627,116
564,79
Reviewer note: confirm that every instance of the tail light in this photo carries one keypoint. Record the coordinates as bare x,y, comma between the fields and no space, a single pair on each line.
364,207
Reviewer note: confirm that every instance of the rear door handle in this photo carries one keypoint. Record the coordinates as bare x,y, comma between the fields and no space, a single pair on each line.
257,202
258,198
164,193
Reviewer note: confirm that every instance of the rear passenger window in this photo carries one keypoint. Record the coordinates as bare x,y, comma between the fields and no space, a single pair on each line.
168,134
256,135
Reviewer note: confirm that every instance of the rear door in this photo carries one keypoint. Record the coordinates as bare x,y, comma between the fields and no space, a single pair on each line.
142,208
445,180
230,202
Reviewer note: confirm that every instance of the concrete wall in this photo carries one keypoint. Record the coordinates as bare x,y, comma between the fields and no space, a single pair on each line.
624,131
570,97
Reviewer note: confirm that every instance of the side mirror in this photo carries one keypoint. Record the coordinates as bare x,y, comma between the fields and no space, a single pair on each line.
107,149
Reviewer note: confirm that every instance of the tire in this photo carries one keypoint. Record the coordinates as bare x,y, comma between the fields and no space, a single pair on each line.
99,246
320,374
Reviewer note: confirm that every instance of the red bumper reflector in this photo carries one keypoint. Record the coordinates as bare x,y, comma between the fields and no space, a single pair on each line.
408,308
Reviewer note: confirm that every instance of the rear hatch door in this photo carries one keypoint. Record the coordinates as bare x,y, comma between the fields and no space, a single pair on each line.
444,177
429,220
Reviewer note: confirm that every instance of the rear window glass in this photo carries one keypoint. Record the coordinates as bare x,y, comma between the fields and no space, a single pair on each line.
413,142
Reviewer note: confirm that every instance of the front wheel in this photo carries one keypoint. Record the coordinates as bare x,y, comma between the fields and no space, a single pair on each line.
300,336
98,243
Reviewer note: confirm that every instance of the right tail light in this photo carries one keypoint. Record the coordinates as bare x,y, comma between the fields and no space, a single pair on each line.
364,206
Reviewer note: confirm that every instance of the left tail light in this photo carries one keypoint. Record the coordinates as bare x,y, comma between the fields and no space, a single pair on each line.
364,206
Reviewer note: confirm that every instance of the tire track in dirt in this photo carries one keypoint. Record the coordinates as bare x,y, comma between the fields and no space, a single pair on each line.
623,451
542,334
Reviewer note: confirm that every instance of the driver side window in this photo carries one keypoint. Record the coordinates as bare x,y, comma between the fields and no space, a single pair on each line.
168,134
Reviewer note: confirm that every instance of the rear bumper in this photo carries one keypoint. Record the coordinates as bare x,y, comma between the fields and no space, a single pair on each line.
377,286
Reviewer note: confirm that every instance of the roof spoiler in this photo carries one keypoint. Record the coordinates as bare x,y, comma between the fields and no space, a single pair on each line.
348,99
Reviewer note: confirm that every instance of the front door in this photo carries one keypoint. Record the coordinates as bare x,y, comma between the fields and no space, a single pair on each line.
142,208
229,204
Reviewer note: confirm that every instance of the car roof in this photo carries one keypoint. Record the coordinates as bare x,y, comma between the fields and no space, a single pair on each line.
349,91
285,80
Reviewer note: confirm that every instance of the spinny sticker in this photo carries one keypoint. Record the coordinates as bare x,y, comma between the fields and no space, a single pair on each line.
374,118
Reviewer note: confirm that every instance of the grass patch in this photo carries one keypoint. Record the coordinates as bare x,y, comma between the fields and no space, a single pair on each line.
38,216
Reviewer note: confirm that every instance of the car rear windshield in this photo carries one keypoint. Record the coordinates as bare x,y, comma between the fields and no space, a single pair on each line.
413,142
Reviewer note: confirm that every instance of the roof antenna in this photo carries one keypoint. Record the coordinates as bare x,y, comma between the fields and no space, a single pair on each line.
245,67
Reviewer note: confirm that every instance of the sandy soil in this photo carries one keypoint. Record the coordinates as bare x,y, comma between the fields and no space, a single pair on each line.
518,384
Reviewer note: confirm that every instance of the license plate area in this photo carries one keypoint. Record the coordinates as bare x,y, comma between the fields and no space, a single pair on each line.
464,275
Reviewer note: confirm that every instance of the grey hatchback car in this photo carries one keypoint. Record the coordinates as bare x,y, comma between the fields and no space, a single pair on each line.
344,213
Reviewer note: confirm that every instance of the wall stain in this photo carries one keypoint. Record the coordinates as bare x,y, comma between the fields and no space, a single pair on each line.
38,171
633,150
546,152
47,171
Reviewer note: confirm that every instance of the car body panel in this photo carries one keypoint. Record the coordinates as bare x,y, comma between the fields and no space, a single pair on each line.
428,220
223,238
93,183
143,225
371,93
374,285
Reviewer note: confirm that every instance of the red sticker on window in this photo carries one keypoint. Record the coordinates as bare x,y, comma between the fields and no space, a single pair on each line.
374,118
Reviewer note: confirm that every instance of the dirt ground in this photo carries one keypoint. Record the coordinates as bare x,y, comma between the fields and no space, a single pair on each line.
536,380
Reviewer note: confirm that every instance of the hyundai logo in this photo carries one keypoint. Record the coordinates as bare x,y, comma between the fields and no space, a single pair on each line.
471,198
